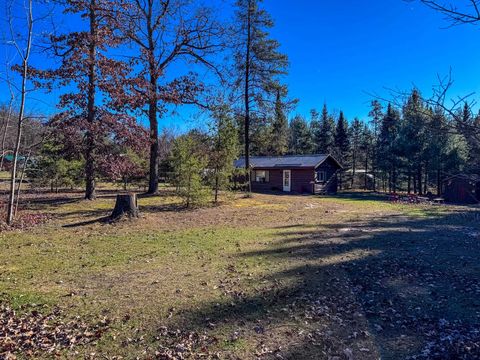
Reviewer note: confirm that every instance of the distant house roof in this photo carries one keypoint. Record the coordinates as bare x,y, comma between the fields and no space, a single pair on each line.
287,161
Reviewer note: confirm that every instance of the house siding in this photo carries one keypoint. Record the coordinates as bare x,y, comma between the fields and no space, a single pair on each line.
330,168
301,181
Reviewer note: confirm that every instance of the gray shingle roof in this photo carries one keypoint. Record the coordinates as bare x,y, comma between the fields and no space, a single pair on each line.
293,161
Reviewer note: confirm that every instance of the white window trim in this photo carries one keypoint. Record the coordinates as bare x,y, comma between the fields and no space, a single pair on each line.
317,176
266,177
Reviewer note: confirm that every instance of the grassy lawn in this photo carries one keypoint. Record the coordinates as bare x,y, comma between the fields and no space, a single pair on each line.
271,277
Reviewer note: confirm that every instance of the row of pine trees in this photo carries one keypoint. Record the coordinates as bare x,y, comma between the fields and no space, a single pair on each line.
410,147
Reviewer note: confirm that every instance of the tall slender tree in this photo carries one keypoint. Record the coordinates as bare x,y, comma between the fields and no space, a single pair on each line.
325,138
376,115
23,47
342,141
258,64
356,138
387,159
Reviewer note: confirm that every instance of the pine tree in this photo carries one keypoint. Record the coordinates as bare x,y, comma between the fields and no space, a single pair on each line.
342,143
325,138
367,144
279,128
300,137
315,129
258,63
376,115
412,140
189,163
468,126
356,138
224,150
387,146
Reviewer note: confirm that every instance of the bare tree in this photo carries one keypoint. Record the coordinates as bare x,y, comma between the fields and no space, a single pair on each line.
23,49
458,12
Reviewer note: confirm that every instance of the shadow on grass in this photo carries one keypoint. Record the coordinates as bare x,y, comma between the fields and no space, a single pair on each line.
101,220
393,287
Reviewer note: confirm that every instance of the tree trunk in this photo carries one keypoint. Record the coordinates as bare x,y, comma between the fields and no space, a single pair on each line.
366,171
11,198
22,177
419,178
216,188
152,105
409,182
247,100
126,205
425,179
439,183
89,156
354,167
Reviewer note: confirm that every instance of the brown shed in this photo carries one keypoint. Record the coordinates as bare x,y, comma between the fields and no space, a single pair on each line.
313,174
462,189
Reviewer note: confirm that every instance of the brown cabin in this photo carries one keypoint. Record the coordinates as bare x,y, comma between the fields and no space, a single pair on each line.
462,189
313,174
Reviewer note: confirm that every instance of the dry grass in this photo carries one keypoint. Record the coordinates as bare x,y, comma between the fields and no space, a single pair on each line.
269,276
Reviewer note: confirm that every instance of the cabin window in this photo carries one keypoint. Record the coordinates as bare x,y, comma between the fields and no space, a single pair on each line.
262,176
321,176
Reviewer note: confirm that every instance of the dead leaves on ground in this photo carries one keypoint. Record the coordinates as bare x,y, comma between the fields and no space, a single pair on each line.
31,333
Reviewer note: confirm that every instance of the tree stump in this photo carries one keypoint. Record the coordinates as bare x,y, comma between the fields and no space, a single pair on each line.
126,205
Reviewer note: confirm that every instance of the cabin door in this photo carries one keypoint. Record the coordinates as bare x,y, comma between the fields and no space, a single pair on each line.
287,181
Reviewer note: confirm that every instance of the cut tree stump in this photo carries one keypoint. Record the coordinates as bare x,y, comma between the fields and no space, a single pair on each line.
126,205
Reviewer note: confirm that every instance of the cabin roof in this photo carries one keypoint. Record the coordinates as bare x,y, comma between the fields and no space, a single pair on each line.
469,177
286,161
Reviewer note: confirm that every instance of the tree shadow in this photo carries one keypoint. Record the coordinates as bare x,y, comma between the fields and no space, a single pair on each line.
393,287
101,220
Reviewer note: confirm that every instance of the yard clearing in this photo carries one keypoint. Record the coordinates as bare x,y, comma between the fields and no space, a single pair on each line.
268,277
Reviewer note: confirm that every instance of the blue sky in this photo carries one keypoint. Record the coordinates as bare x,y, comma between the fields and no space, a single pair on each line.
342,51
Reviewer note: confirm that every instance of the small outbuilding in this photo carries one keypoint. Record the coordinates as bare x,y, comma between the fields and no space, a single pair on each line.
462,189
313,174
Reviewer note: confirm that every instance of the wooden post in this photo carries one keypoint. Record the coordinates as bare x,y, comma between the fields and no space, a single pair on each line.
126,205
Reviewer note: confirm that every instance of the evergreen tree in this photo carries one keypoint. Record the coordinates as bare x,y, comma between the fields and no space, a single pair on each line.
412,140
261,136
356,138
189,162
258,63
468,126
437,150
279,128
376,115
342,143
387,157
315,129
324,139
367,144
224,150
300,137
